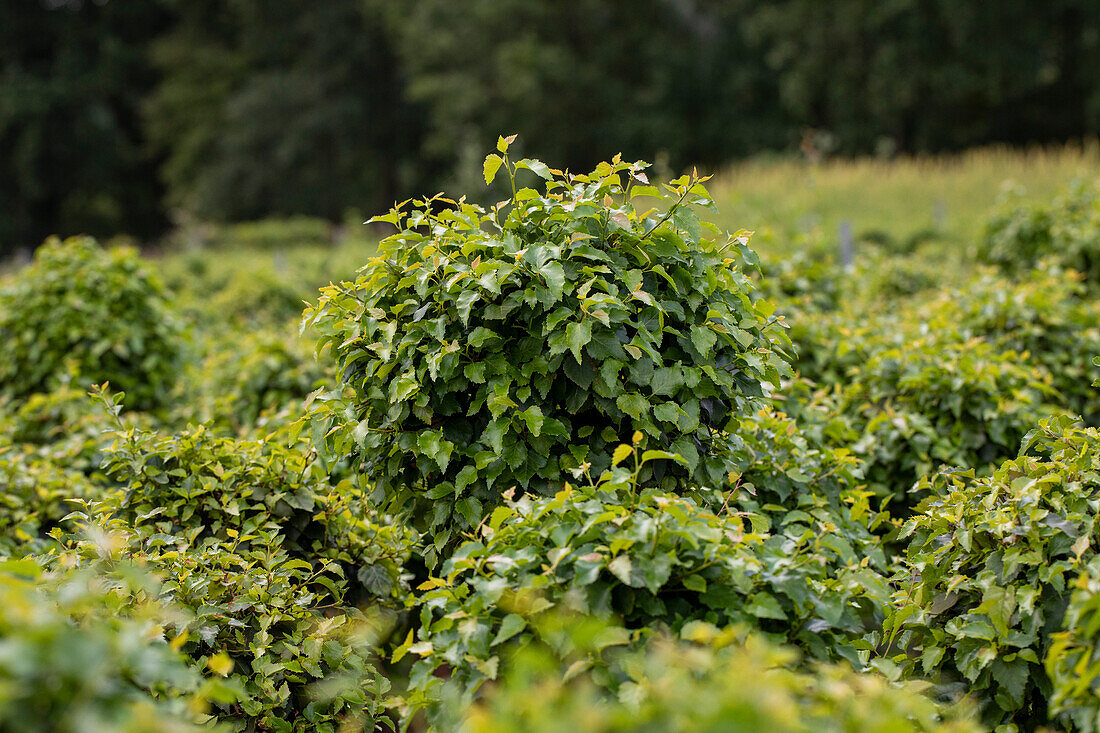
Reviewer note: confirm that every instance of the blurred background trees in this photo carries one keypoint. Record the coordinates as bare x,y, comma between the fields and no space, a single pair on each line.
120,116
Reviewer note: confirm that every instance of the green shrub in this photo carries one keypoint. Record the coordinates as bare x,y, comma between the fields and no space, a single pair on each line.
268,562
34,494
1066,230
703,682
787,474
284,631
92,314
938,401
1071,661
65,426
248,375
274,232
202,485
256,297
71,663
808,281
989,570
486,350
651,559
1046,318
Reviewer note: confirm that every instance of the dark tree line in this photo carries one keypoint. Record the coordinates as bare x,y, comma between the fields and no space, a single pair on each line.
116,115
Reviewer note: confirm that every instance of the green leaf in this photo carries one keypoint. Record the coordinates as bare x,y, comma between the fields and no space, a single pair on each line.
696,583
479,336
555,278
491,166
534,418
703,339
403,387
466,476
577,335
433,445
666,380
466,300
537,167
509,627
667,412
621,453
633,404
622,568
376,579
764,605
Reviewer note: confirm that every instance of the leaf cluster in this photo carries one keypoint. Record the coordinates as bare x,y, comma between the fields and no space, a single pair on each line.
705,679
648,558
70,662
938,401
989,570
1065,230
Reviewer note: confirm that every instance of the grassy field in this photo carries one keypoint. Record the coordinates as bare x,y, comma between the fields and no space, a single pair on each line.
788,202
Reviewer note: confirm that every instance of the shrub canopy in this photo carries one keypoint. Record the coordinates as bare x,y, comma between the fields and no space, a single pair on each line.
490,349
90,314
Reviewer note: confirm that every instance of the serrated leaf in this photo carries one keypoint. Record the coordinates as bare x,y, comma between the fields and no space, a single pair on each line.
490,167
621,453
703,339
533,417
509,627
633,404
577,335
555,278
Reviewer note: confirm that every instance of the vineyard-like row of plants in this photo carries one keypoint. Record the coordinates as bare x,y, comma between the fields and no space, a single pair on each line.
578,461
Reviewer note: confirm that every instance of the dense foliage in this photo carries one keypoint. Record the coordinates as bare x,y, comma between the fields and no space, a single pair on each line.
69,662
705,681
650,560
86,314
989,571
936,401
1065,231
551,472
489,350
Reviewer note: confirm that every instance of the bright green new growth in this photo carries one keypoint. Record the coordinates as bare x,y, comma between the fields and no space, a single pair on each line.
487,349
81,312
985,581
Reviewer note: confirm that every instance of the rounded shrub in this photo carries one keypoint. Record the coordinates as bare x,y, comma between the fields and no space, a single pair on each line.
938,400
296,650
79,311
1066,230
989,570
268,564
489,349
202,485
1047,318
